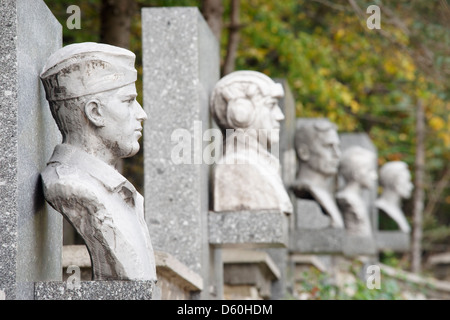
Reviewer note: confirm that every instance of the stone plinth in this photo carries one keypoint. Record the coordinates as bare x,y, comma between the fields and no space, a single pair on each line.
247,272
181,66
97,290
30,231
177,282
249,229
313,234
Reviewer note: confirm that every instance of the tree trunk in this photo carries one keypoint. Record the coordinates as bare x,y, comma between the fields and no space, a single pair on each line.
212,11
233,38
116,17
416,248
438,190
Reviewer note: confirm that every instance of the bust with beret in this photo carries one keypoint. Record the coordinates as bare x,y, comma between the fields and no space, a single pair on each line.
244,105
91,91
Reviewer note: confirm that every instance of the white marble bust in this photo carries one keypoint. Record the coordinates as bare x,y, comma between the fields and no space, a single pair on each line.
318,150
244,105
91,91
395,178
357,167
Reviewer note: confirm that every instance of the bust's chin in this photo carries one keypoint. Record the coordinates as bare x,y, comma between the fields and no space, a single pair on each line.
130,151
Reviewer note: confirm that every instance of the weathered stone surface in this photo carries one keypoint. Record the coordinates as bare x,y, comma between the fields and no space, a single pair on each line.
181,65
393,240
30,231
250,229
97,290
92,95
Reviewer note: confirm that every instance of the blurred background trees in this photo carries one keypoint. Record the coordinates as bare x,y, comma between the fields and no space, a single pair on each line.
364,80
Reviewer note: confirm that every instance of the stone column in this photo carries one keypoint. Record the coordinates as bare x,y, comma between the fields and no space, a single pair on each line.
181,66
30,231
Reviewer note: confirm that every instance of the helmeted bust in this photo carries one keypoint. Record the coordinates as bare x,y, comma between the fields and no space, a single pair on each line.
357,167
91,91
395,179
318,151
244,105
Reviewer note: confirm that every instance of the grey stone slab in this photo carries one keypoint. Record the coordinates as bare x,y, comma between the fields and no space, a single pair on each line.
97,290
287,132
30,231
357,245
323,241
393,240
181,66
309,215
248,229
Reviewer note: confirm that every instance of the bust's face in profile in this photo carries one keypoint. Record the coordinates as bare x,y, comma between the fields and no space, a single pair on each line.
122,121
403,184
267,119
366,174
325,152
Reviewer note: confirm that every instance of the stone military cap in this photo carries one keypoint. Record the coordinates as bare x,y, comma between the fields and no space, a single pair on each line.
85,68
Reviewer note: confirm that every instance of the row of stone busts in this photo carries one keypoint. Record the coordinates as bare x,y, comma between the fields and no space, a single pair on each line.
248,176
91,91
321,162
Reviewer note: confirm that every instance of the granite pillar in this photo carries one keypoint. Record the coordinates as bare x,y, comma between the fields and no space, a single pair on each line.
181,66
30,231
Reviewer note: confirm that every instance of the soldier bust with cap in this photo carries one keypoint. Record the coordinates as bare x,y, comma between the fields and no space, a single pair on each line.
91,91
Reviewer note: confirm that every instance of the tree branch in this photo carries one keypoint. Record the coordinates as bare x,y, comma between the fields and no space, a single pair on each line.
233,39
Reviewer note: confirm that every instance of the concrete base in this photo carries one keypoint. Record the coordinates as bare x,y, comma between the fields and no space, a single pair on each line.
248,272
248,229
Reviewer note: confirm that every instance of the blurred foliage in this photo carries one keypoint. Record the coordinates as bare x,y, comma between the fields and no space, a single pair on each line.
317,285
363,80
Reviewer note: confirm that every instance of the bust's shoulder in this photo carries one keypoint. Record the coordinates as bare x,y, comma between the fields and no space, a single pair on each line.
61,181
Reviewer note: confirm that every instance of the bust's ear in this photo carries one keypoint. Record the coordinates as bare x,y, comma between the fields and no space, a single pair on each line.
93,112
303,152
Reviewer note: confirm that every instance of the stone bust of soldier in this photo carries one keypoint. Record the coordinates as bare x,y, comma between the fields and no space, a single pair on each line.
244,105
318,151
395,178
357,168
91,91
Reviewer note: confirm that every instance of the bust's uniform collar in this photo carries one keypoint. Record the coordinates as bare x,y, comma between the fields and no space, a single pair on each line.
73,156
